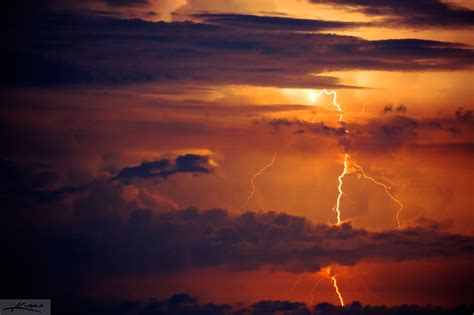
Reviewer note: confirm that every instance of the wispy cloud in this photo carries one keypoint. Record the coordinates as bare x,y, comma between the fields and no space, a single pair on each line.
414,14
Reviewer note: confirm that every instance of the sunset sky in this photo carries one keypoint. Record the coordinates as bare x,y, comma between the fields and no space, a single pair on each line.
158,147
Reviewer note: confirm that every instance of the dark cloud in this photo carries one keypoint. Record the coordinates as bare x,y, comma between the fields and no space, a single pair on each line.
318,128
375,135
107,244
415,13
401,109
396,131
127,2
356,308
182,303
397,128
188,163
279,307
28,184
52,48
463,114
276,23
385,133
101,233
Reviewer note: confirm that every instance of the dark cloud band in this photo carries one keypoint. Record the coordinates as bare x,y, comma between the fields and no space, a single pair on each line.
182,303
51,49
275,23
414,13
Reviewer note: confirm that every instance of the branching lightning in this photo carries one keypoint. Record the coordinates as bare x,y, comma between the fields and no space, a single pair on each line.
314,97
252,181
362,174
358,169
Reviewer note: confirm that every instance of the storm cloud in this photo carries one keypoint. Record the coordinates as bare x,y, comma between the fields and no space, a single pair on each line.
50,48
176,241
127,2
384,133
188,163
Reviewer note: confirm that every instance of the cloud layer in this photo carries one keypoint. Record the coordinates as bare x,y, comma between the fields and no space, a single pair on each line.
274,23
97,242
70,48
386,133
415,13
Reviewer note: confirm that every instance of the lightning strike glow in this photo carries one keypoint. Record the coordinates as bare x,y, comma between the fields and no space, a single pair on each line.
334,283
339,188
385,187
252,181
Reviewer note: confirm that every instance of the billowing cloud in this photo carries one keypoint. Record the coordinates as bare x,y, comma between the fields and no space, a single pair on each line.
180,240
188,163
251,240
415,13
98,245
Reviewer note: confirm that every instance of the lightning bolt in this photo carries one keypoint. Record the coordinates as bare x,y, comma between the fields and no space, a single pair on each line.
334,283
385,187
346,156
339,188
348,169
252,181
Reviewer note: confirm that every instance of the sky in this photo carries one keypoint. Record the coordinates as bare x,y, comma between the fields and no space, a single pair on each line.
201,157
